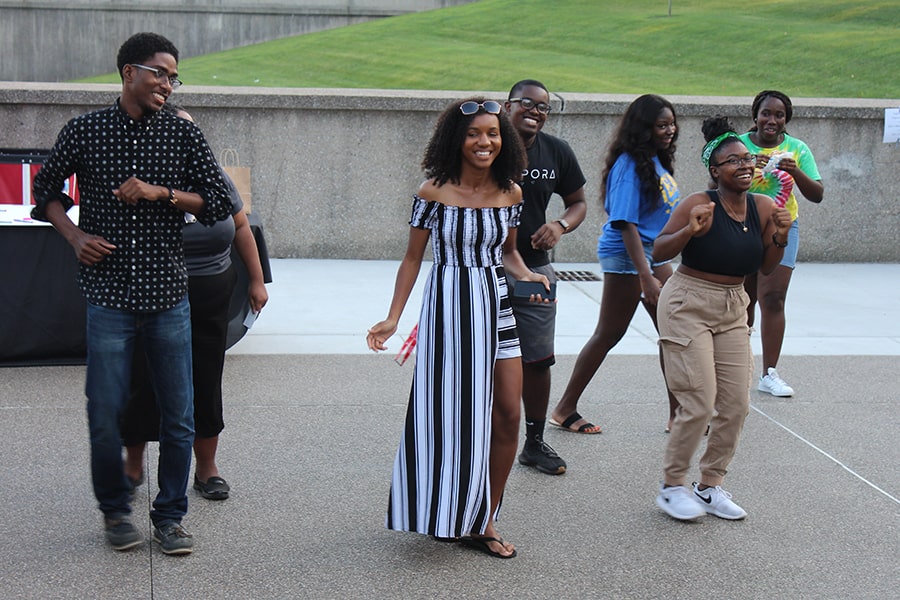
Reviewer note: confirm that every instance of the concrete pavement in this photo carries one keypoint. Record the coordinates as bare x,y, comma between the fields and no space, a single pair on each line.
325,307
312,424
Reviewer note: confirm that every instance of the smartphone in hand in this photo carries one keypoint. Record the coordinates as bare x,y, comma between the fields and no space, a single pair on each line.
525,289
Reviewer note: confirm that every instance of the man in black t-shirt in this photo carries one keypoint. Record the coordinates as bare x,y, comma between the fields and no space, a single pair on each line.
552,168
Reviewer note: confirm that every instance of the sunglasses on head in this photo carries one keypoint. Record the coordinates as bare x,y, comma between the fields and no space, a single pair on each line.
471,107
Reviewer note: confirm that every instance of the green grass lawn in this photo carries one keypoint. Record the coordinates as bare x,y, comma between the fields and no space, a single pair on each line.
807,48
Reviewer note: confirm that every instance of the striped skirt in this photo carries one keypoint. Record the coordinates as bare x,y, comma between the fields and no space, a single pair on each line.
441,482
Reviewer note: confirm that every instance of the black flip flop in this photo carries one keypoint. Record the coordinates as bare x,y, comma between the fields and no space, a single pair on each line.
481,544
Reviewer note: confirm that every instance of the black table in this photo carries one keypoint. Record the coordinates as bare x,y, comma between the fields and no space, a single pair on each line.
43,314
43,311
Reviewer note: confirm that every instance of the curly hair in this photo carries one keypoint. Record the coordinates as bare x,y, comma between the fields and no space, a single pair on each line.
634,137
142,46
712,128
763,96
443,157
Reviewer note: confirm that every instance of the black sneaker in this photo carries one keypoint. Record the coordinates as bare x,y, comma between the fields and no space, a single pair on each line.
541,456
121,534
173,539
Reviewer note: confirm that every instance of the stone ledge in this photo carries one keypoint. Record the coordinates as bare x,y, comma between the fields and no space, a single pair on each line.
332,166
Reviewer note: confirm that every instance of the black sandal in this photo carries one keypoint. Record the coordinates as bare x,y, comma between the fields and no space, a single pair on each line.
480,543
571,420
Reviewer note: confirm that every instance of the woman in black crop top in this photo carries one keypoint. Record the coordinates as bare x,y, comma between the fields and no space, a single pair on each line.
722,235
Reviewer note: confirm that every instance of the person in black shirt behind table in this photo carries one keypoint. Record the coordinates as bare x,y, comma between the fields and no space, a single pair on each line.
723,235
134,163
552,169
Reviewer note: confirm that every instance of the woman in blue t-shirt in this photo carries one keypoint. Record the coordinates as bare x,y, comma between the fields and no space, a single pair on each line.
638,193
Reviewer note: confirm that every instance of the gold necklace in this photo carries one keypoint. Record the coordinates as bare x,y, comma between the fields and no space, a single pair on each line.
743,221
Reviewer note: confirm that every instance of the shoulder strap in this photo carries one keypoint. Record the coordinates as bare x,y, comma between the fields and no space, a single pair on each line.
751,206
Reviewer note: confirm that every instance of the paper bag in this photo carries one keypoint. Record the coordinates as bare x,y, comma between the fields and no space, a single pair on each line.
230,161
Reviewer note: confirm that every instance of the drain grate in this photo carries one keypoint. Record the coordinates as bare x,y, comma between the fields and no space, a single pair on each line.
577,276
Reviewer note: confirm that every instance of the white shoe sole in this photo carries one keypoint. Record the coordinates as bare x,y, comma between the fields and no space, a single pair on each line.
724,516
667,509
764,389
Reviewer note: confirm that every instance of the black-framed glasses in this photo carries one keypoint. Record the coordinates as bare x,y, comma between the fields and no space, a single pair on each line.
528,104
471,107
161,76
738,161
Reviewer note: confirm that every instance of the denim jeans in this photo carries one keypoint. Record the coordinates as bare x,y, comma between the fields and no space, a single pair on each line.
110,341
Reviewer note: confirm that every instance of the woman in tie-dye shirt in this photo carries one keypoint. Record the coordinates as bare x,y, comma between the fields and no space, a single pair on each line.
795,170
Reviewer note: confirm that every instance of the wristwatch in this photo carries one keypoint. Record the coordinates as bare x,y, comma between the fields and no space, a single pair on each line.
564,223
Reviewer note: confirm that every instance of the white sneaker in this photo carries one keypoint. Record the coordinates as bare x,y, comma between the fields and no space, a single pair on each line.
679,503
717,501
771,383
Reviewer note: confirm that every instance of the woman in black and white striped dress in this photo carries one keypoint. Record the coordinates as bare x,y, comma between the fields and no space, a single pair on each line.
462,424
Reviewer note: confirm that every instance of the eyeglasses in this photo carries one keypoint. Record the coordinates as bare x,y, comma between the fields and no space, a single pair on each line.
528,104
749,160
161,76
471,107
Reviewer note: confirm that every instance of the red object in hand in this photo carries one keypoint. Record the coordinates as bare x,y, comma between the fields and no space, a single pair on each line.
408,346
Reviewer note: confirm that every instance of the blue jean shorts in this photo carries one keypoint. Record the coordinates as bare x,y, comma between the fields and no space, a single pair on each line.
621,263
789,259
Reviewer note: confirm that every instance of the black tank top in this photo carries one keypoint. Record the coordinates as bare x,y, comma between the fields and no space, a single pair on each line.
726,249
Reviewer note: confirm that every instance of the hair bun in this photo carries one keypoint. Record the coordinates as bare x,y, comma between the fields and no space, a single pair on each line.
715,126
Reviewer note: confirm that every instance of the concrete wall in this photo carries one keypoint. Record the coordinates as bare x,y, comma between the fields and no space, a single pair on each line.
61,41
334,170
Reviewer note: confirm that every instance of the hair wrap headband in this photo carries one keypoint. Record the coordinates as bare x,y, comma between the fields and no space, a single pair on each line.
711,146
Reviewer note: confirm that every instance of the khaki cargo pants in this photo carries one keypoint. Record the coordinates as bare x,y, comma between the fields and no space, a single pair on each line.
706,349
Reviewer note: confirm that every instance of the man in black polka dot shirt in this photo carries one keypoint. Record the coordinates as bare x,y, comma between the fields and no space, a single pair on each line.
139,170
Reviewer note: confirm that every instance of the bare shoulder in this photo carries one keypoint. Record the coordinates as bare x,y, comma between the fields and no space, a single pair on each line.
513,196
693,200
764,205
428,190
431,191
